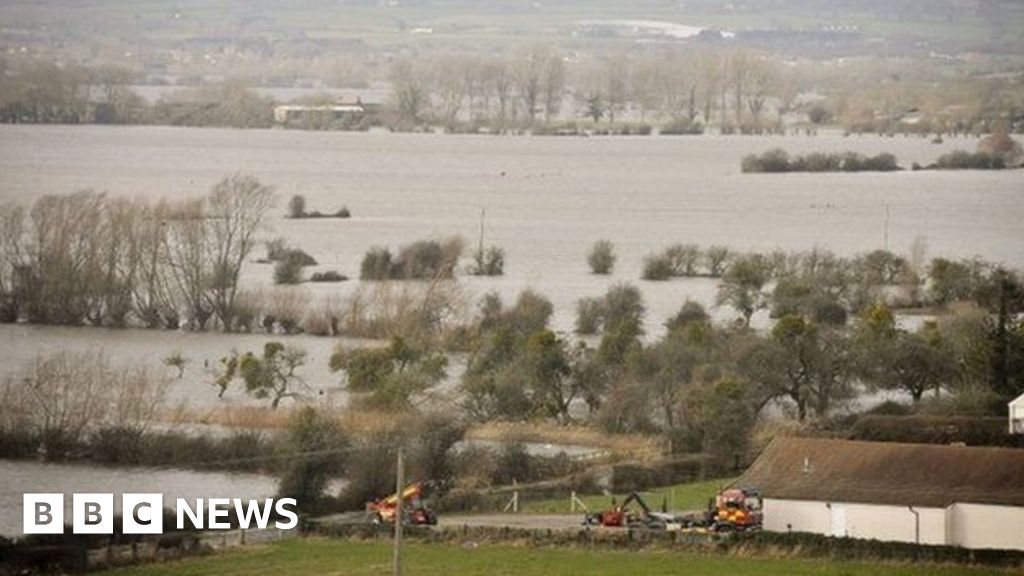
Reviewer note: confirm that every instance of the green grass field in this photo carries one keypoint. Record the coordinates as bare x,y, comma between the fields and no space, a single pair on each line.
681,497
320,556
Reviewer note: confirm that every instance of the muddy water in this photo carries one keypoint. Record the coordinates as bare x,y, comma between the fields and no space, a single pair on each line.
546,200
21,477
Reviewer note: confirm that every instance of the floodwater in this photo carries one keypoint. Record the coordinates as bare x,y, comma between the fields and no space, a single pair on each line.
20,477
546,200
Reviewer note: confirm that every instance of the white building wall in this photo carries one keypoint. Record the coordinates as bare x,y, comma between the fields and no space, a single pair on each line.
869,521
986,526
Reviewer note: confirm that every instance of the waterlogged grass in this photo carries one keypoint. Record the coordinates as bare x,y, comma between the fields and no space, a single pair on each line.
691,496
336,557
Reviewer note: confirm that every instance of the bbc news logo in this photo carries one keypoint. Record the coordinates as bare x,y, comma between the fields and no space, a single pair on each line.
143,513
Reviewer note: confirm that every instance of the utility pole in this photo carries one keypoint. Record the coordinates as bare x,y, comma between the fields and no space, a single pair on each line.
399,510
886,239
480,249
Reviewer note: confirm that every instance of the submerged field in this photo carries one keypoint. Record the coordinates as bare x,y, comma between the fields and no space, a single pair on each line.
315,556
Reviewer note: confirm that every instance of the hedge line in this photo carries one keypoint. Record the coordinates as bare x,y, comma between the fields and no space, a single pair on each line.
769,544
979,431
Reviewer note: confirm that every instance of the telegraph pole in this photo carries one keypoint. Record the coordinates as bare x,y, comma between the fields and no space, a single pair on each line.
886,234
399,510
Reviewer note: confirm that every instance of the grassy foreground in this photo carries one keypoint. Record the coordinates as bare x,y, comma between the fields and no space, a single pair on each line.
691,496
322,556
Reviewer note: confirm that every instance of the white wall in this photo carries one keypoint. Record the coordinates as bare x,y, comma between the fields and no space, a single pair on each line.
880,522
986,526
967,525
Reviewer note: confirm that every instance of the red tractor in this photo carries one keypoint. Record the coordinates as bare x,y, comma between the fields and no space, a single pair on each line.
416,511
619,516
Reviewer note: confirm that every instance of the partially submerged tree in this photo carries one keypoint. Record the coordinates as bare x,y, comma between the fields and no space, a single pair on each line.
271,375
601,257
392,377
237,206
742,286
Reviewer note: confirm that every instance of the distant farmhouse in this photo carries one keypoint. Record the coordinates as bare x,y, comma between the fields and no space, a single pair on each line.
927,494
298,113
1017,415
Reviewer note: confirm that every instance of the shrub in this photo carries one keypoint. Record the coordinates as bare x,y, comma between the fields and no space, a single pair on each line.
774,160
717,258
683,259
328,276
343,212
325,318
288,270
681,128
276,249
881,163
601,257
426,259
657,267
690,313
421,260
312,453
285,309
297,206
490,262
777,160
817,162
419,313
376,265
962,160
589,315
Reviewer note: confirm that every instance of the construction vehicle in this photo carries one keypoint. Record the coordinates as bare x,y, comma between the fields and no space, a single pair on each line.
622,516
736,510
732,510
416,511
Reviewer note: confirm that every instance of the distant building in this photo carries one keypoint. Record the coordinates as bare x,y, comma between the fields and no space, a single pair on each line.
297,112
1016,409
929,494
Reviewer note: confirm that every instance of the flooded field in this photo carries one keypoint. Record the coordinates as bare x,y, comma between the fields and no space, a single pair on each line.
546,201
22,477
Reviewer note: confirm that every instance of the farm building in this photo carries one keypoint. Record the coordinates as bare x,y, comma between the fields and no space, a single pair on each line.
291,112
1017,415
953,495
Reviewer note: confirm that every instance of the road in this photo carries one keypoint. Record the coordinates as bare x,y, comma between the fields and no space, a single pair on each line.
528,521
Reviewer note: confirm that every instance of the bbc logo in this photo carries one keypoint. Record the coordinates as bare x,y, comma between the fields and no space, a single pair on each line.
93,513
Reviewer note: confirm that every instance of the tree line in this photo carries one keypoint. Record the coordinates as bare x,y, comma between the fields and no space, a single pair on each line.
543,86
86,258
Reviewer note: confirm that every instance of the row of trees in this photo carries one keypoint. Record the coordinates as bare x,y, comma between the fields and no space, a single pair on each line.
733,88
683,89
704,384
86,258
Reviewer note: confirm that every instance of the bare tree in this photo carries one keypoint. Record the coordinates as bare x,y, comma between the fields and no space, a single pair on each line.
450,83
554,85
12,259
188,265
237,206
409,92
501,80
529,78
